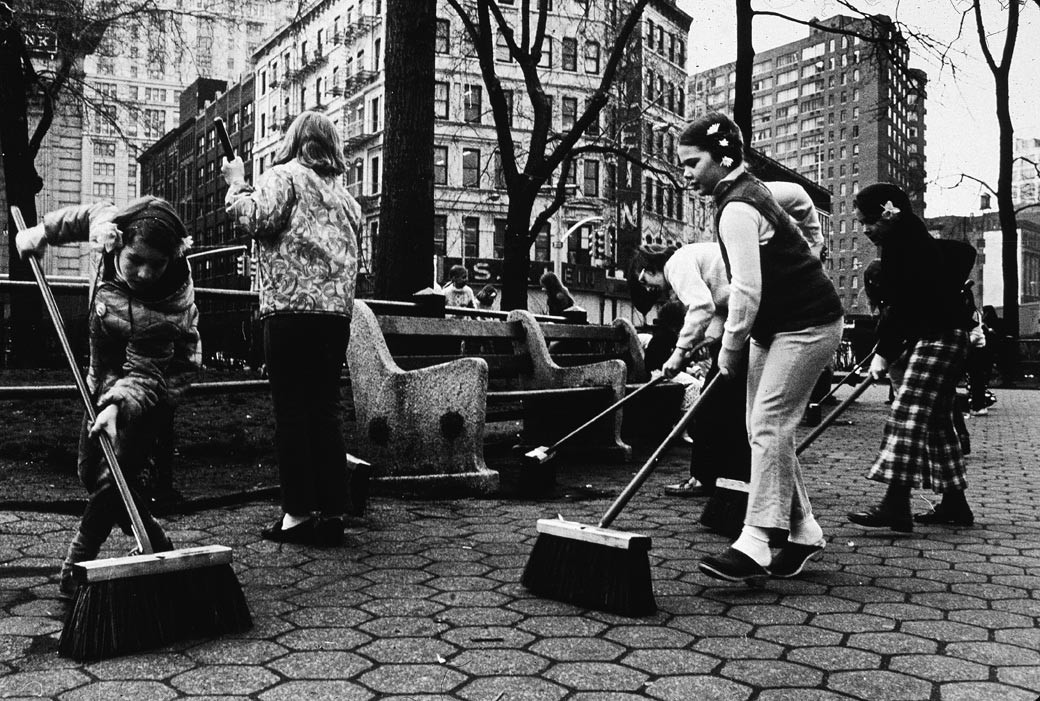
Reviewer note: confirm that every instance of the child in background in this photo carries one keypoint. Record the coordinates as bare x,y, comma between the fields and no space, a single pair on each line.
458,293
144,345
486,297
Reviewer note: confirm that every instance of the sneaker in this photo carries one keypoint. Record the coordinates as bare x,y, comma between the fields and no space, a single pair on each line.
732,565
793,558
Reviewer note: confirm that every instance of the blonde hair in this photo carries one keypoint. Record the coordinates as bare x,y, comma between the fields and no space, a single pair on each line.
312,139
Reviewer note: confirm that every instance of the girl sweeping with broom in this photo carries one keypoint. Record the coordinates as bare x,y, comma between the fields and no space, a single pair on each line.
144,345
783,305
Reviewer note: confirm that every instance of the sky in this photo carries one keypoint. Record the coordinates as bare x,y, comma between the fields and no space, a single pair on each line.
961,123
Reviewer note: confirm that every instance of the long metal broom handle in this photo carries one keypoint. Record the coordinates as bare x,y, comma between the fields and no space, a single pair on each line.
144,545
856,368
641,476
833,416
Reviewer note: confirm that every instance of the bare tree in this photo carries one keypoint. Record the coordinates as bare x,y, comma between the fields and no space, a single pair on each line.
546,151
1001,71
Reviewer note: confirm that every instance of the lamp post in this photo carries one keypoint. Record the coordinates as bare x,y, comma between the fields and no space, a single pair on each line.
559,243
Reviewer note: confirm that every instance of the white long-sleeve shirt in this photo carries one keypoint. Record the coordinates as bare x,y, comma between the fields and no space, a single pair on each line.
697,274
743,230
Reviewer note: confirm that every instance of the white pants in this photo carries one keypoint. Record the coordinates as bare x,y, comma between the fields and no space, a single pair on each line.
781,376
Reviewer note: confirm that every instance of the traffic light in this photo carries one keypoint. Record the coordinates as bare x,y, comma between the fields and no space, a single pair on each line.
600,244
240,264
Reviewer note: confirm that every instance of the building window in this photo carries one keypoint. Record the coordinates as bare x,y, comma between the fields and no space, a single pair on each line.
105,148
440,165
440,100
375,175
500,177
569,54
101,168
592,57
470,167
442,42
440,234
541,244
590,188
472,97
376,114
569,105
104,189
470,237
546,59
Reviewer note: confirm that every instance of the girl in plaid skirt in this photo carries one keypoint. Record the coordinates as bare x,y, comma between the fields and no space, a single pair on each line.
922,346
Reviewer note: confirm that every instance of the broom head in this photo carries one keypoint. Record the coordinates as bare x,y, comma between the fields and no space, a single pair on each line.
130,604
598,568
725,509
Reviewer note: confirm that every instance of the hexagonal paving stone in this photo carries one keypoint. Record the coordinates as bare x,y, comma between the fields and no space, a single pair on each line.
738,648
328,616
41,684
488,638
771,673
560,626
835,658
853,622
643,637
892,643
768,615
526,688
412,678
224,679
800,695
938,668
995,654
490,663
798,636
121,690
594,676
141,667
407,651
985,691
320,665
698,687
663,663
323,639
233,651
578,649
317,691
479,615
880,685
403,627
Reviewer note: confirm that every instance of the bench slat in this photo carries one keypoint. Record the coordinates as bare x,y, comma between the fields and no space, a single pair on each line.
581,332
419,326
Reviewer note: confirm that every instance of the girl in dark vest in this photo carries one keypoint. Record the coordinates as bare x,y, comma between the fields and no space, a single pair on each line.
783,304
922,346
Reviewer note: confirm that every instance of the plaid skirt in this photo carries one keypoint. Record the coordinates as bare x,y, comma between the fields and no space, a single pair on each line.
920,447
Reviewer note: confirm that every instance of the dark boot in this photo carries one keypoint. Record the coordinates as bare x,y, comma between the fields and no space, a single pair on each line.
893,512
952,510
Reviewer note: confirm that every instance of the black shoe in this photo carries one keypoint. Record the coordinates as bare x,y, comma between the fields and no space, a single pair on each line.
329,532
301,534
880,517
793,558
732,566
961,516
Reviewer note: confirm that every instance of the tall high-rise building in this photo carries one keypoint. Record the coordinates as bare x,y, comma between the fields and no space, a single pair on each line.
841,111
126,95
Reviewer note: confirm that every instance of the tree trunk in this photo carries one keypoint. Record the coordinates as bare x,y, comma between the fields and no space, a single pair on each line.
516,262
21,185
744,69
404,247
1008,223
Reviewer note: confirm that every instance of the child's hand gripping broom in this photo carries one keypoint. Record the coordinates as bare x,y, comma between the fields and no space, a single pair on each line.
134,603
595,566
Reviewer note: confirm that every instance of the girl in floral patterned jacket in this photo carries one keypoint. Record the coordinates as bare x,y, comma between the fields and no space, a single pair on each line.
305,225
144,346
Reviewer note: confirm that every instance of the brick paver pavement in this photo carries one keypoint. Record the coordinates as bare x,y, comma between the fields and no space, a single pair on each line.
424,601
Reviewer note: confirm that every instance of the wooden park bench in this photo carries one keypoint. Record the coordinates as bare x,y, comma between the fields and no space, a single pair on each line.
423,389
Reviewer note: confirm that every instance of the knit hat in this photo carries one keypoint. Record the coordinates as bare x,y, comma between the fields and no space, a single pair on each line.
882,201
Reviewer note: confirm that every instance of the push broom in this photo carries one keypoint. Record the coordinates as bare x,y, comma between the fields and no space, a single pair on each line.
595,566
542,454
128,604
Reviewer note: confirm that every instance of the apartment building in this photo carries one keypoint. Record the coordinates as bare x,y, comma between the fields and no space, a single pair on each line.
330,58
843,112
1025,173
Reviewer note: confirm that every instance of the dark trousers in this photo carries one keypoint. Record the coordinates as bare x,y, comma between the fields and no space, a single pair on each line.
719,431
105,509
305,355
980,365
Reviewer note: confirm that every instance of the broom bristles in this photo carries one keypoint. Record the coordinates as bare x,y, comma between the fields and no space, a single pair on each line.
592,575
121,616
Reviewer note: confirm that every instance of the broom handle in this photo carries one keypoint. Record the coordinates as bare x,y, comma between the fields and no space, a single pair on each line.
136,524
833,416
632,487
619,403
225,140
845,379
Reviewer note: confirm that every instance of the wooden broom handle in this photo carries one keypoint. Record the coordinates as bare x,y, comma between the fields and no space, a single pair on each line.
648,467
144,545
833,416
